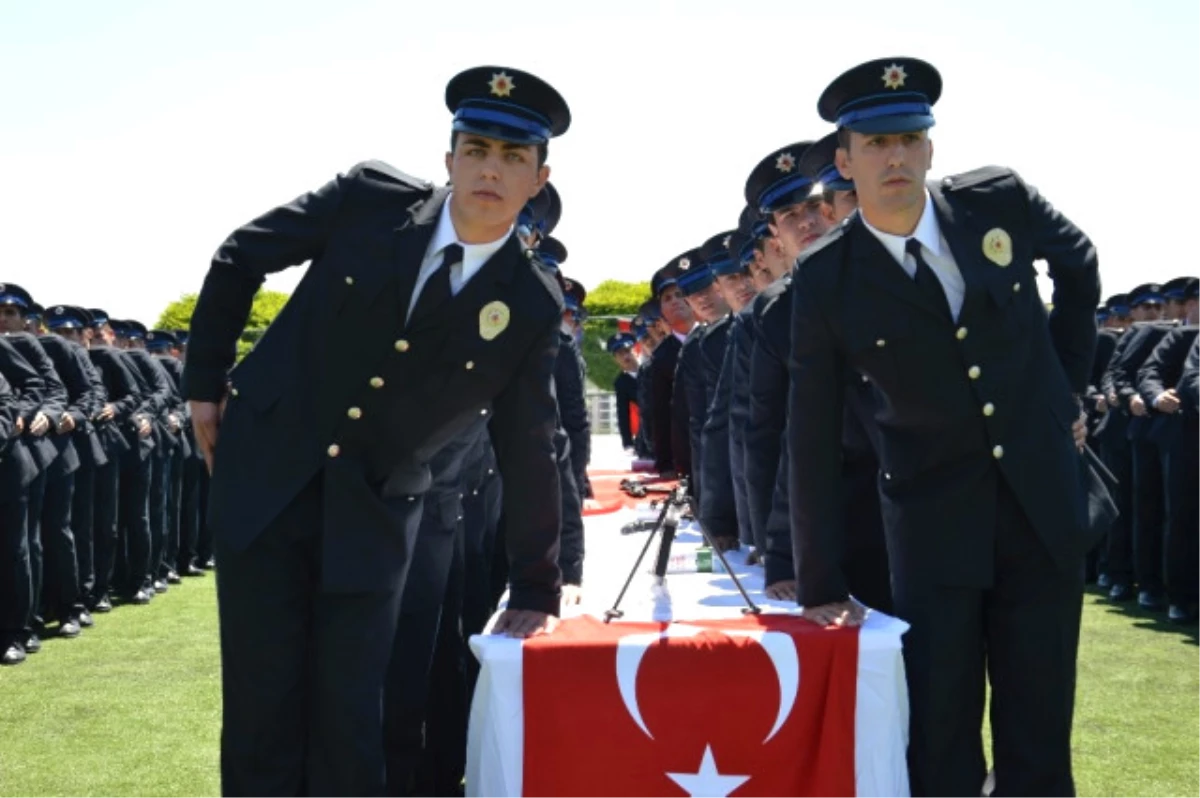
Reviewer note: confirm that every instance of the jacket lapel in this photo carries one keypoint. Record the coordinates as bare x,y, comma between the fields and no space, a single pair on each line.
876,266
461,309
411,240
958,230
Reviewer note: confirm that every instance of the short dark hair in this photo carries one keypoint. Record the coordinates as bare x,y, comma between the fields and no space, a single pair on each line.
843,138
543,149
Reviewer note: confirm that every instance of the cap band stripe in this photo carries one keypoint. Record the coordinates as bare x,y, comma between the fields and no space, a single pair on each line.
782,189
848,118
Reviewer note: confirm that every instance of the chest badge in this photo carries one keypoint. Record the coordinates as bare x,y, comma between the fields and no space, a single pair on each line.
997,247
493,320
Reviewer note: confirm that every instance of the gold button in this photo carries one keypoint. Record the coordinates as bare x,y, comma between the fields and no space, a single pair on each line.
377,382
961,334
349,280
233,392
470,365
483,412
989,409
402,345
881,343
354,413
998,452
1017,287
974,372
334,450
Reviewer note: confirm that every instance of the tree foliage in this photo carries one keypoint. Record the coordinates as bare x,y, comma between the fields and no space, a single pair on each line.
264,309
615,298
602,369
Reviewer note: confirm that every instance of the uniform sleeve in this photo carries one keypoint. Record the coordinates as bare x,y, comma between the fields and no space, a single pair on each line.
814,436
286,236
23,378
572,407
123,389
765,427
1165,360
8,411
1108,384
718,512
662,386
1075,271
624,397
1125,369
692,372
1188,385
54,399
523,436
94,396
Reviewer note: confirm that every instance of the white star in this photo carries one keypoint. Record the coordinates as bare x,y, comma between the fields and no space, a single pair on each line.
708,781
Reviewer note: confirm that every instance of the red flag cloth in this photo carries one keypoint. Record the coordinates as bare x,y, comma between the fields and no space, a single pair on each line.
761,705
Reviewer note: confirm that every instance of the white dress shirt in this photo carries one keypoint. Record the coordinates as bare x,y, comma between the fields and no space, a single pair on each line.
935,251
474,256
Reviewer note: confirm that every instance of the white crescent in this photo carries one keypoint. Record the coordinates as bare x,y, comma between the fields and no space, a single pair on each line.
778,646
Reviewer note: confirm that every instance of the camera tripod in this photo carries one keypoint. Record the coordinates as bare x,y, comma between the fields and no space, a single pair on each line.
668,522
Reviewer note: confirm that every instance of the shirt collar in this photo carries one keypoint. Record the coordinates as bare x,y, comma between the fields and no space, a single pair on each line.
445,235
928,232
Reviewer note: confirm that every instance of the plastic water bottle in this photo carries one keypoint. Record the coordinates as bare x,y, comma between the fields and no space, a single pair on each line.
690,562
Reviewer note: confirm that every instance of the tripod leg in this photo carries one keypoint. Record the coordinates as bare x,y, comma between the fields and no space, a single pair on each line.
614,612
750,607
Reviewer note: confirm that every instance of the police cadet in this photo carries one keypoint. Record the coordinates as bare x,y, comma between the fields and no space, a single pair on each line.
164,346
719,505
930,292
671,452
18,471
1145,497
1183,540
1108,332
195,549
34,324
863,553
74,324
698,286
1158,384
163,407
653,331
620,346
121,531
71,543
54,454
569,372
319,463
796,216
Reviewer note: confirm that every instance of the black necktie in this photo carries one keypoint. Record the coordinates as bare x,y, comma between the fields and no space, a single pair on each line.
927,281
436,290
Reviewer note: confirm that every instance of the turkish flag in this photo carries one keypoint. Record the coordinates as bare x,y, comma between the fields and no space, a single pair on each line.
760,705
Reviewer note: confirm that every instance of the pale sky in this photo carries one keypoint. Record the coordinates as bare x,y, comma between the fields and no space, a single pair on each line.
136,135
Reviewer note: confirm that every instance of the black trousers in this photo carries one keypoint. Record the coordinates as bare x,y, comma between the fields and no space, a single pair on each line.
105,536
1181,471
1118,456
204,538
37,554
302,670
60,591
157,508
1147,515
411,702
189,513
172,512
132,568
1023,635
16,582
83,519
481,516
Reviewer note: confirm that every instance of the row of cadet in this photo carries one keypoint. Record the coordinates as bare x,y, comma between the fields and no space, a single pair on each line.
101,484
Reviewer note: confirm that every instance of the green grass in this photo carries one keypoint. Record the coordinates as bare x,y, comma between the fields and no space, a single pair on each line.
133,706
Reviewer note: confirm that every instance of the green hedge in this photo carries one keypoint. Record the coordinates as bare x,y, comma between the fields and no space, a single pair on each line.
615,298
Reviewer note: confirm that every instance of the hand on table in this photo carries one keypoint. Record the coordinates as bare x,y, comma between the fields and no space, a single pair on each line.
524,623
839,613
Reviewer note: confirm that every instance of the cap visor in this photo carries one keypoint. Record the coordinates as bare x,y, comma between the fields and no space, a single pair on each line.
901,123
499,132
